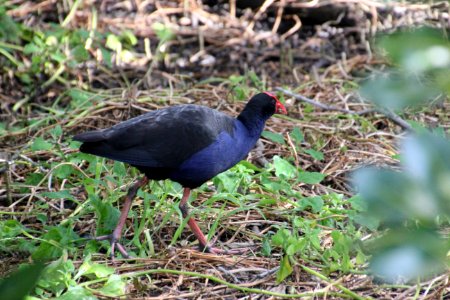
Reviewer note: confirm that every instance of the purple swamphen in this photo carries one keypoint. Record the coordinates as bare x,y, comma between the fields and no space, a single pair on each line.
189,144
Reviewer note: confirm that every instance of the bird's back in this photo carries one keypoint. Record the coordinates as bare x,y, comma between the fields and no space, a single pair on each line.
187,143
162,138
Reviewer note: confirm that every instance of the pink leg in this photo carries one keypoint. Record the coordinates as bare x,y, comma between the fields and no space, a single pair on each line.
191,222
117,233
203,243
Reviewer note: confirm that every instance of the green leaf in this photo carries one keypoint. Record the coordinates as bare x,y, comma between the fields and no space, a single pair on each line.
258,83
33,178
281,237
114,287
316,203
82,99
297,135
107,57
63,171
77,293
19,284
266,248
58,57
100,270
56,276
40,144
274,137
113,42
56,132
285,269
63,194
235,79
41,217
119,169
227,182
393,197
10,228
367,220
310,177
358,203
9,29
267,202
31,48
163,32
283,168
317,155
249,166
54,242
129,37
420,192
107,215
89,268
80,54
240,92
276,186
51,41
296,246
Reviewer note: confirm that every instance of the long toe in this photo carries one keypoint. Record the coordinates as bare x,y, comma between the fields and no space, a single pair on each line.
113,240
122,250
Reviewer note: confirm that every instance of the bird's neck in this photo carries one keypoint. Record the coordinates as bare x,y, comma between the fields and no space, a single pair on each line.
253,120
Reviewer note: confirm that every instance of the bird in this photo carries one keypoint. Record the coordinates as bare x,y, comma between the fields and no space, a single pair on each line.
188,144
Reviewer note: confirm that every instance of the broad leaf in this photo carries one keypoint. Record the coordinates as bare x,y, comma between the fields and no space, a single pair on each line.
310,177
285,269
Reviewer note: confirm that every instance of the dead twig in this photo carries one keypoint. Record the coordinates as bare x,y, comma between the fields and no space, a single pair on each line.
387,112
313,102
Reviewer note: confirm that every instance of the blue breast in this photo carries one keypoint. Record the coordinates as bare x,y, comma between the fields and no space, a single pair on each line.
219,156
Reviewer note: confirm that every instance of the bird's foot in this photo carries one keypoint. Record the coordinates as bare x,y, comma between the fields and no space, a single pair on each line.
113,240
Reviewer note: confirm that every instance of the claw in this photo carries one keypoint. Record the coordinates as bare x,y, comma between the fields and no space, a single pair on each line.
113,240
203,244
116,234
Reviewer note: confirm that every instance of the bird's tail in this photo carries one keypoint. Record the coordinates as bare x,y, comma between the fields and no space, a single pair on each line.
90,136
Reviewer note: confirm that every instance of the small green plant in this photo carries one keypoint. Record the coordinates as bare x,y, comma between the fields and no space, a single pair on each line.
301,238
62,279
244,85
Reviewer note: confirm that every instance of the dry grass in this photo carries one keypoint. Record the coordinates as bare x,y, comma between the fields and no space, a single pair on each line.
322,61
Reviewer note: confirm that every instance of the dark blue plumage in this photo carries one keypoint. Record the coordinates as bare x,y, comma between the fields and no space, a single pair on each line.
226,151
188,144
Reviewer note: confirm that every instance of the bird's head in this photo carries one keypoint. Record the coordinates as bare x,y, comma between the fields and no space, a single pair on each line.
279,107
260,108
264,105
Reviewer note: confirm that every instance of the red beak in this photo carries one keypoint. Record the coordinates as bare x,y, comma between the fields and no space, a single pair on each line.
279,107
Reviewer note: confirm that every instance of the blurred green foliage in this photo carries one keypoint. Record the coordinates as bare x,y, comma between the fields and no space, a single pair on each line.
413,203
9,29
420,70
20,283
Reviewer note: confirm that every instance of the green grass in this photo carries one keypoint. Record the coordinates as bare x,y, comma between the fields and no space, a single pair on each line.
91,189
297,214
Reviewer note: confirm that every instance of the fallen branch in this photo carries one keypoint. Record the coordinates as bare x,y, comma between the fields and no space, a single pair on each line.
313,102
386,112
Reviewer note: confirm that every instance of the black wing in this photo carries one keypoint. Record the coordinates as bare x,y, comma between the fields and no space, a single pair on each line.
162,138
